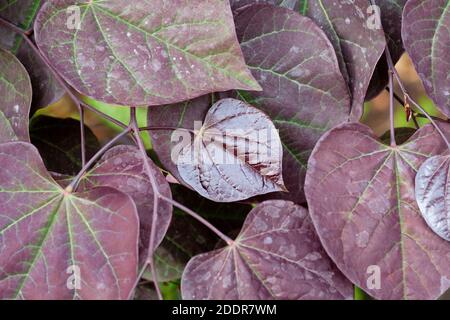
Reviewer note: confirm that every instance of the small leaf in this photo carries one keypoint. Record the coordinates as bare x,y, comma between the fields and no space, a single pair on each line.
235,155
48,236
432,184
122,168
144,52
15,97
59,143
361,199
277,255
304,92
425,31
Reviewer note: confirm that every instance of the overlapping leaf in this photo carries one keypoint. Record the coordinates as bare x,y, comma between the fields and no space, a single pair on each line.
432,184
59,143
425,32
15,98
361,199
236,154
59,245
277,255
144,52
46,90
122,168
304,91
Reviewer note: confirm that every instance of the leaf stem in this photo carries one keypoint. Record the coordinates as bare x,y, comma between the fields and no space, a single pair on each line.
391,108
156,195
408,98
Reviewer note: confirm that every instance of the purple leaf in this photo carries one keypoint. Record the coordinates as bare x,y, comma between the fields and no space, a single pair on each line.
304,91
277,255
144,52
59,245
432,184
59,143
122,168
15,98
235,155
46,90
425,31
361,199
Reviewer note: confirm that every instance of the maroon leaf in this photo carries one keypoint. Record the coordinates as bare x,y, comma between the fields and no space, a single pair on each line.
235,155
59,245
432,184
15,98
304,91
122,168
147,59
361,198
425,31
277,255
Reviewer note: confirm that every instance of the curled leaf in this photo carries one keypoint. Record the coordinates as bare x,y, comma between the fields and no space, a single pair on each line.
236,154
361,199
432,184
425,31
304,92
59,245
277,255
15,93
143,52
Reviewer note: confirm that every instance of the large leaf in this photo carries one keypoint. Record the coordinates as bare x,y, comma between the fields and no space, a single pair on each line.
48,234
122,167
304,91
144,52
59,143
277,255
235,155
432,184
361,199
15,97
425,31
46,89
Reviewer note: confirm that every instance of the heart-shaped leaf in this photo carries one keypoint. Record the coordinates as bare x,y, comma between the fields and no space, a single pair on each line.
361,199
144,52
235,155
277,255
15,97
46,89
59,143
59,245
425,32
122,168
432,184
304,91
